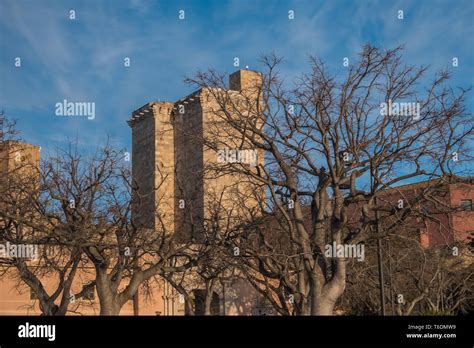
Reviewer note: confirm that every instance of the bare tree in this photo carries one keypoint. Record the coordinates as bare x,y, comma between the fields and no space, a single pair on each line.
97,195
426,277
24,228
329,143
419,280
217,259
77,209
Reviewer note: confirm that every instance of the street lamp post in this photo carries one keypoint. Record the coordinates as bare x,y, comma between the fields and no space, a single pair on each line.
379,259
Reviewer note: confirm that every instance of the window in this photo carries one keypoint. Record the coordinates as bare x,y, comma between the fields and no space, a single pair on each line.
88,293
466,204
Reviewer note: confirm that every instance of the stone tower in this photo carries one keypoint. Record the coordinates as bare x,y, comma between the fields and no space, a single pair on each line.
174,167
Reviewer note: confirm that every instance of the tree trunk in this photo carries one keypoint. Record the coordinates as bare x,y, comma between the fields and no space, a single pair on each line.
324,307
109,308
209,296
108,301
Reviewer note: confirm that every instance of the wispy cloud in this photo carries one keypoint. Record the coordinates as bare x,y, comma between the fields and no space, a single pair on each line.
82,59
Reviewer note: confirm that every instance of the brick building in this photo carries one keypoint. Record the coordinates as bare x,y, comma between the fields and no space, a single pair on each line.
441,212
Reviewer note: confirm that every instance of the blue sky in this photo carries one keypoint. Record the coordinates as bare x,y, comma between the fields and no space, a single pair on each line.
82,59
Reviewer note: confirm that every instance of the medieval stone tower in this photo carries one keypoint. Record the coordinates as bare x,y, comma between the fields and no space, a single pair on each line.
174,162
